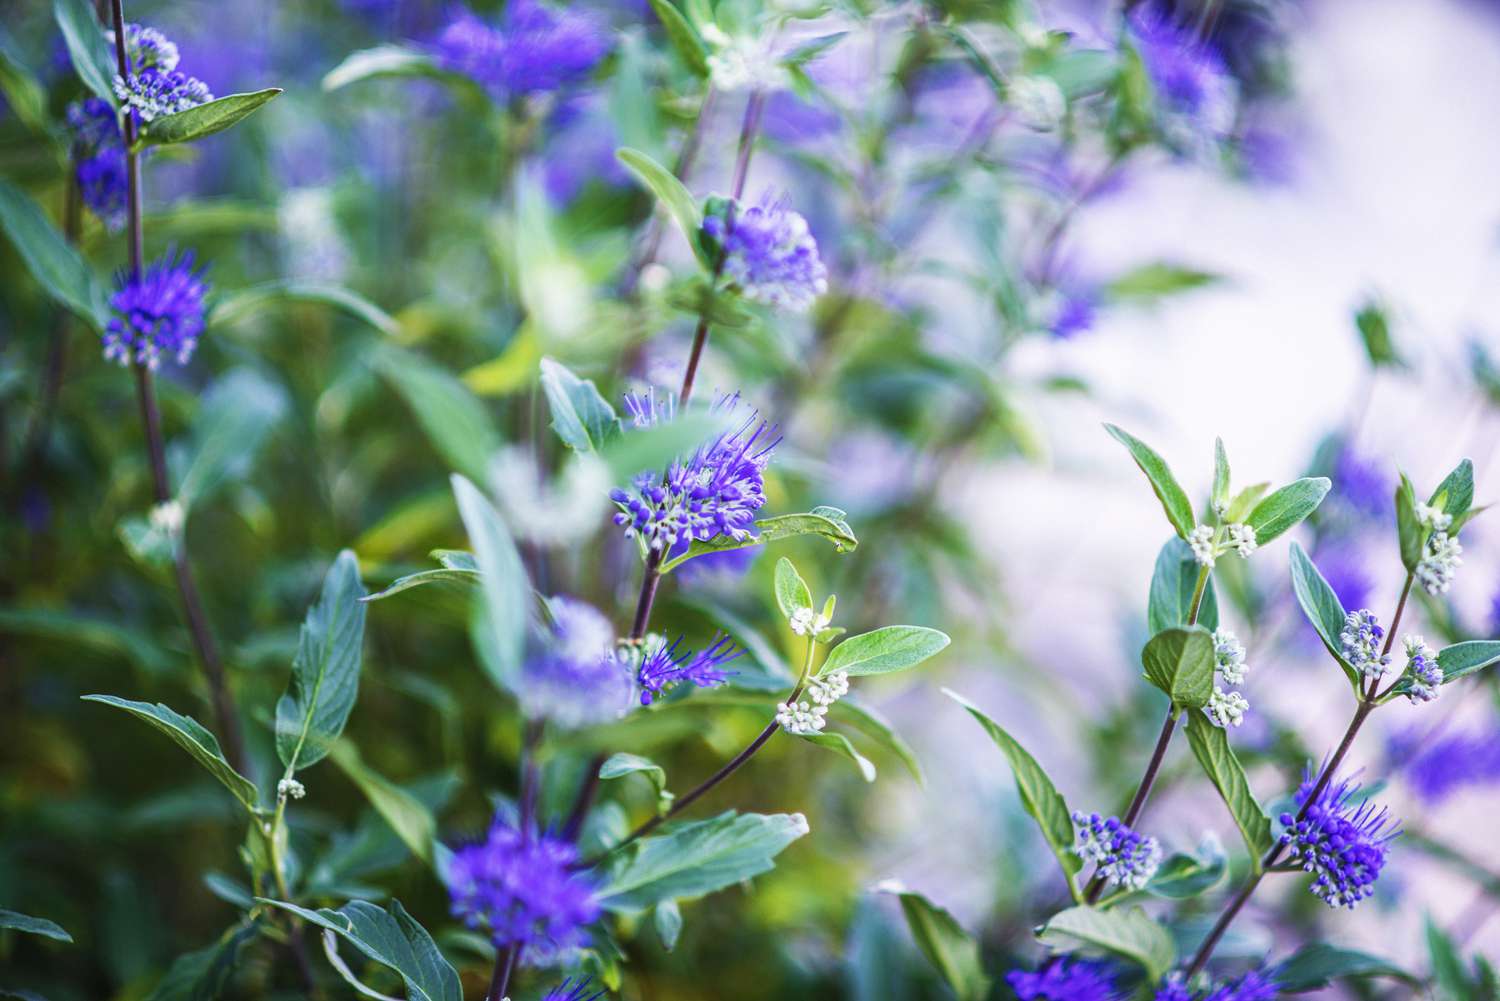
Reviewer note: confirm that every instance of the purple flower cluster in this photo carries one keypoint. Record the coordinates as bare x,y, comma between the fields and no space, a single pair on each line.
535,49
1065,980
99,159
769,255
1122,855
155,87
1437,769
1362,484
569,991
1194,90
663,666
160,313
1342,840
1253,986
521,888
572,676
713,492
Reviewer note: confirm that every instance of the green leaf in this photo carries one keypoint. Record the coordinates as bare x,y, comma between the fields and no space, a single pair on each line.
1244,501
408,816
1128,933
98,634
503,612
202,974
192,737
458,572
1174,501
1320,964
1285,508
17,921
875,726
885,650
671,192
621,764
1210,746
88,49
1452,981
243,303
1220,495
1456,492
1184,876
320,694
580,416
792,594
682,35
952,951
380,61
667,917
1174,580
52,261
1375,332
693,860
1180,662
1038,795
786,526
838,742
21,89
451,416
392,938
1409,530
1158,280
206,119
1322,608
233,419
1462,659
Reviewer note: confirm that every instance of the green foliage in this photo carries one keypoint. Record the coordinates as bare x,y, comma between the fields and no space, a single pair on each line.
242,304
449,414
88,50
17,921
1322,608
1183,876
580,416
380,61
202,974
950,949
683,36
671,192
206,119
55,265
1287,507
621,764
839,743
406,815
1319,964
792,594
885,650
826,522
392,938
1125,932
503,608
1180,662
1174,501
1374,326
1210,746
1174,581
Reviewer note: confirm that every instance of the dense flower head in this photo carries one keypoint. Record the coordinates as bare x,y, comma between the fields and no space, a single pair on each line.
1229,656
1441,558
1227,709
1201,541
1360,640
572,676
1193,88
1242,539
153,92
522,889
801,718
1422,669
827,689
1256,985
148,47
99,155
1123,857
664,666
1342,840
535,49
769,254
713,492
568,990
1065,979
160,313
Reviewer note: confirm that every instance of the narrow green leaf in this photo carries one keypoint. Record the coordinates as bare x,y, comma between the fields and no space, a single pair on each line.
1245,501
1462,659
580,416
52,261
767,530
504,610
408,816
243,303
324,683
1210,746
1180,662
792,594
1374,328
1158,280
1408,529
875,726
885,650
1174,580
21,89
87,47
667,918
1286,508
462,579
206,119
1128,933
690,47
1452,981
17,921
952,951
1456,492
1220,494
392,938
1320,964
451,416
620,764
192,737
1321,607
839,743
202,974
671,192
234,417
380,61
1174,501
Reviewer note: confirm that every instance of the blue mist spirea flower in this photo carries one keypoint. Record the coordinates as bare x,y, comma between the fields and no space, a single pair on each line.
159,314
1065,979
1360,641
1194,90
1441,558
1422,670
1342,840
1123,857
1257,985
713,492
522,889
147,47
535,49
99,159
665,665
153,93
1173,989
570,991
571,676
768,252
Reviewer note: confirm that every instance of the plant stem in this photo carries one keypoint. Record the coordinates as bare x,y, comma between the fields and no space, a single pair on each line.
505,965
225,713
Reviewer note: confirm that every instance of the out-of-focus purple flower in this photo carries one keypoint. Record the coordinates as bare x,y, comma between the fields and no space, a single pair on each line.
1193,88
569,991
790,119
1065,980
663,666
1362,484
1077,312
1495,613
1123,857
712,569
521,888
1437,769
768,253
1256,985
1342,565
572,676
580,151
159,314
1342,841
99,155
535,49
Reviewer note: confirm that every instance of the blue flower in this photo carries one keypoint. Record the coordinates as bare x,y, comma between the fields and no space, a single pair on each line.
1253,986
1342,840
1173,990
535,49
1362,483
769,255
663,666
1343,566
572,676
716,569
159,314
1077,312
148,47
1360,641
99,156
1122,855
568,991
153,92
1194,90
1065,980
523,890
713,492
1437,769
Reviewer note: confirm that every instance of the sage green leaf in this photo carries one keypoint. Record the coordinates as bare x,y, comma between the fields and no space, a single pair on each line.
88,49
243,303
1174,501
682,35
139,647
651,449
667,918
1183,876
952,951
192,737
875,726
1456,493
672,193
1462,659
580,416
621,764
767,530
1210,746
1220,495
1451,979
17,921
792,594
885,650
1319,964
392,938
53,262
839,743
1038,795
1125,932
234,417
696,859
202,974
324,683
1180,662
380,61
1409,530
1321,607
1374,328
206,119
1158,280
408,816
458,571
22,91
1174,581
451,416
1245,501
502,614
1286,508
